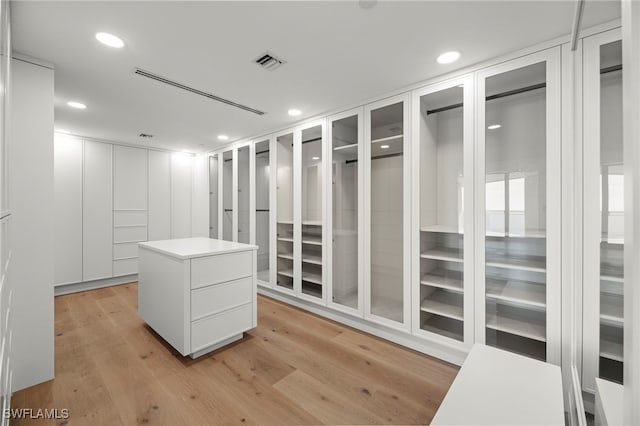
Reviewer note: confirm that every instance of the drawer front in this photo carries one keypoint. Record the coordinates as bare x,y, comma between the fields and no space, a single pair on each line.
125,267
129,234
215,298
211,330
125,251
217,269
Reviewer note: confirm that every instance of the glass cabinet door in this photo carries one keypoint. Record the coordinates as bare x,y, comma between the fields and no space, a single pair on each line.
345,201
213,197
312,211
522,206
227,195
387,289
244,179
604,210
442,123
262,193
284,218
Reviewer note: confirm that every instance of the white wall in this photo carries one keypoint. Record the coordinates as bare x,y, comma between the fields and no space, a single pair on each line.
200,198
31,195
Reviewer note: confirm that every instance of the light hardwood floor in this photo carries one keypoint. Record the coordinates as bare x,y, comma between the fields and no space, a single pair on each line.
294,368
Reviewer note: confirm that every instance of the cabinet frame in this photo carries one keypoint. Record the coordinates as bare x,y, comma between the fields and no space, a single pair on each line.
236,187
469,213
405,325
359,113
553,280
591,210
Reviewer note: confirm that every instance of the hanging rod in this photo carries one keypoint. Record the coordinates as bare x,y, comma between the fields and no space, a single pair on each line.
261,152
228,210
379,157
313,140
612,68
262,210
492,97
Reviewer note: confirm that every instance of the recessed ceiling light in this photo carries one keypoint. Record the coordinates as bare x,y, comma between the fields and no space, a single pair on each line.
78,105
494,126
384,146
315,158
63,131
110,40
294,112
223,137
448,57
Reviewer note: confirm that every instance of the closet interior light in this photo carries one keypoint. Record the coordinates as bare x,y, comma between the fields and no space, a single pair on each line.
494,126
448,57
77,105
294,112
384,146
110,40
223,137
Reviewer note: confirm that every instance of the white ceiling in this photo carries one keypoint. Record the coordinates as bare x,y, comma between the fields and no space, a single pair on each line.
338,54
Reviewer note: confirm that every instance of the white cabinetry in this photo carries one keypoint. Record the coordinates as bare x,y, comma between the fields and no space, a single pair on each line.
129,207
67,179
198,293
97,212
181,181
159,222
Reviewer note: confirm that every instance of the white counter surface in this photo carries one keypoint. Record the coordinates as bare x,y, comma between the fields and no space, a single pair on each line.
189,248
495,387
609,403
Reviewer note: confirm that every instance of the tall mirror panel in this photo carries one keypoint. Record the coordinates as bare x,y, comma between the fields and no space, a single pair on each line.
441,131
227,195
387,250
516,210
213,196
312,208
243,194
263,177
284,196
344,171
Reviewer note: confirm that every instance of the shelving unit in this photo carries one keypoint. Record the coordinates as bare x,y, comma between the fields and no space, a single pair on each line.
518,173
243,194
227,195
439,126
285,252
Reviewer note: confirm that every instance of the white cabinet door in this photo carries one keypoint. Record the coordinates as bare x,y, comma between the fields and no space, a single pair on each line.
159,195
129,178
97,223
67,177
181,165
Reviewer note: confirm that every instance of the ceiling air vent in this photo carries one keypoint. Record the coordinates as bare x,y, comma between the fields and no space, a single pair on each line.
145,135
269,62
173,83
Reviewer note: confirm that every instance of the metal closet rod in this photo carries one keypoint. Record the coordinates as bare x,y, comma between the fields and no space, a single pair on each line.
516,91
379,157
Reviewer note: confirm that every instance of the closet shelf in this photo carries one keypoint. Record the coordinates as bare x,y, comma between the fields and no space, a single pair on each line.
612,241
285,239
444,303
312,278
312,259
285,256
312,241
520,292
286,273
312,290
520,262
443,253
442,278
528,233
441,326
387,139
612,310
612,279
346,147
285,222
611,349
445,229
523,326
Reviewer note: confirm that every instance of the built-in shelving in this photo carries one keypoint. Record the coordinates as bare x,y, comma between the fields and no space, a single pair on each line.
517,292
443,278
531,263
518,325
311,258
443,253
388,139
611,310
444,303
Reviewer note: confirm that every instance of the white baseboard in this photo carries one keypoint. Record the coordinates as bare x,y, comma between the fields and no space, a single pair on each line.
92,285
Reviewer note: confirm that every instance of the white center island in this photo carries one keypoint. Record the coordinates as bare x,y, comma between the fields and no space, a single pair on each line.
199,294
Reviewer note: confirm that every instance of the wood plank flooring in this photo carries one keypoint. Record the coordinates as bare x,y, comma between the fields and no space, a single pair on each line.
294,368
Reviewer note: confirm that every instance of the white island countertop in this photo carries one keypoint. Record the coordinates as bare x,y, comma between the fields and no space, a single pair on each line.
189,248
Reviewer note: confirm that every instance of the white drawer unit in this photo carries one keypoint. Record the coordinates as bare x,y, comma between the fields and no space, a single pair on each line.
199,294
